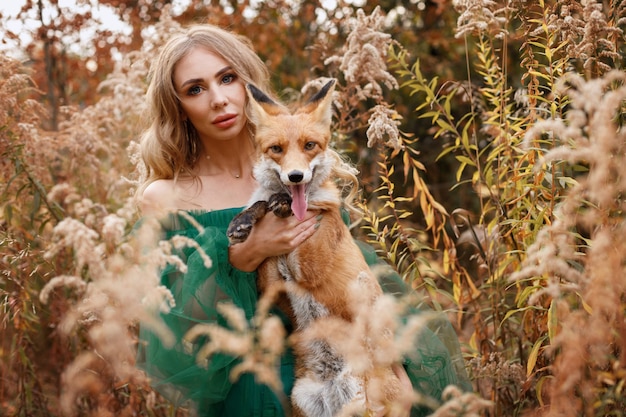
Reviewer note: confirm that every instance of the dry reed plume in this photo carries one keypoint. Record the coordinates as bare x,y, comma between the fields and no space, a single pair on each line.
559,224
93,258
579,257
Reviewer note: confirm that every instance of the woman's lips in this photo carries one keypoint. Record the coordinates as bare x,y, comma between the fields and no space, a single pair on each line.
225,121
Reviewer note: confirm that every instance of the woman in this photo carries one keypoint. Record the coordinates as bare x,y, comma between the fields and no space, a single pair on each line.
199,155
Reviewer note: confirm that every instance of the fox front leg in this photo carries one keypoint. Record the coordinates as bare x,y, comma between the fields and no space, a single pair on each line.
241,225
280,204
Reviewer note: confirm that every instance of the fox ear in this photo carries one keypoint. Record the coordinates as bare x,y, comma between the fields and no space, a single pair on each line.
261,106
320,105
258,95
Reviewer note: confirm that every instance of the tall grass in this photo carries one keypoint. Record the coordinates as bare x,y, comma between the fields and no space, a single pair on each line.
535,270
530,272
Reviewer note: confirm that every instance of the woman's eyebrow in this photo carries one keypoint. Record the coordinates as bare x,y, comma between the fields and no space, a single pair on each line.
223,71
191,81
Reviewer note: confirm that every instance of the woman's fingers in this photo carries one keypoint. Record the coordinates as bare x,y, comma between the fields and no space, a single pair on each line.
297,232
407,389
308,229
283,235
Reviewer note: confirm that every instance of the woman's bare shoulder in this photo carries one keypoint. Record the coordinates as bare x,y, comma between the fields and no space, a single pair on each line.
158,196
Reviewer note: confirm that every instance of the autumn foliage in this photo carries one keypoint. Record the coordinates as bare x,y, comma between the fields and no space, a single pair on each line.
491,144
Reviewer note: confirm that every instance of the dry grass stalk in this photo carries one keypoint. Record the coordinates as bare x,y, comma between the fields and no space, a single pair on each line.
585,278
115,281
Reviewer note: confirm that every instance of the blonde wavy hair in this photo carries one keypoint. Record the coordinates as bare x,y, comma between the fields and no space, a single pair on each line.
345,176
169,146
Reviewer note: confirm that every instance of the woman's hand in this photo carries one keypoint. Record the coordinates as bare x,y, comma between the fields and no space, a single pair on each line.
405,400
402,405
272,236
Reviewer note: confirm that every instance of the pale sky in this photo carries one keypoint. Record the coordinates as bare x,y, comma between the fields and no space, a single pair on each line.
104,17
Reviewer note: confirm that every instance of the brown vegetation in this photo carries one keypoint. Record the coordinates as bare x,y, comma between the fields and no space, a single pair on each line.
491,142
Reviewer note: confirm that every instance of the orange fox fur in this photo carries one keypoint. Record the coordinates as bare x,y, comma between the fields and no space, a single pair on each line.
294,160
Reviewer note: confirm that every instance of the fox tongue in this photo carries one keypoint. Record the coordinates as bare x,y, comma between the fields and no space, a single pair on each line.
298,201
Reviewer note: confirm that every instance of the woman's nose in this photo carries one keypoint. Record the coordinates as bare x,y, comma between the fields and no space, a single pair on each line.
218,100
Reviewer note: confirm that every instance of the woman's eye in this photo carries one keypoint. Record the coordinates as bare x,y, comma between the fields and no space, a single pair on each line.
194,91
228,78
309,146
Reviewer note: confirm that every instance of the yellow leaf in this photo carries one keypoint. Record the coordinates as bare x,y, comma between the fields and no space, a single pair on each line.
586,306
472,342
539,388
552,321
532,358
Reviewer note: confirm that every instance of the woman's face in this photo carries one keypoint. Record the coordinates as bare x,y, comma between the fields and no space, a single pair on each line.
212,96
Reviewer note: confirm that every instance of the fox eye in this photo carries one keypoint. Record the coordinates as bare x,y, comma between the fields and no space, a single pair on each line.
309,146
276,149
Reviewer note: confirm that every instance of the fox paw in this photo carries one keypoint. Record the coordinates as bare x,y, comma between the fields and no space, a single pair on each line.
280,204
241,225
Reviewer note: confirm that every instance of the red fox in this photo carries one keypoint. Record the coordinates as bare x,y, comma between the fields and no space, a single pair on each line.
294,171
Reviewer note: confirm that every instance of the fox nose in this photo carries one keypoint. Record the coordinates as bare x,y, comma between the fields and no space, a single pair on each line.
295,176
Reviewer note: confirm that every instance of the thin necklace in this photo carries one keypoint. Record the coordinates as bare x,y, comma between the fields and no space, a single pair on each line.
236,176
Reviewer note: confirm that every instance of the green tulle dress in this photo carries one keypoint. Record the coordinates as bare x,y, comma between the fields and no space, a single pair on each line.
209,390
